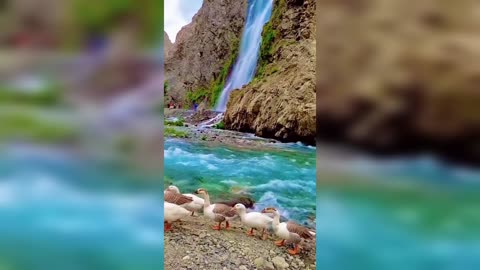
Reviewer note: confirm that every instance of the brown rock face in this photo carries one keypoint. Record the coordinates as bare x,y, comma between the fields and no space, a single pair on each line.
202,47
395,76
167,44
280,102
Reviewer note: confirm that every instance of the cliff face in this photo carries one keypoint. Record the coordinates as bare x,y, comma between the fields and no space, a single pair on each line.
396,76
167,44
280,102
202,48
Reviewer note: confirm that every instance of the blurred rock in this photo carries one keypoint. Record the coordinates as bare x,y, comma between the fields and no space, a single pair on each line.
396,76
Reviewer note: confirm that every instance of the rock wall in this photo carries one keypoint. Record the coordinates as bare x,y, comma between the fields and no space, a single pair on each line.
400,77
280,102
167,43
203,47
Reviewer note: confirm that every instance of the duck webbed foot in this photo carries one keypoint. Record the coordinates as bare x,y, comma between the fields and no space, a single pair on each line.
295,250
217,227
167,227
280,243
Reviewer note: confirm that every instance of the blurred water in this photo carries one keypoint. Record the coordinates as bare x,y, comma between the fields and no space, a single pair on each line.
259,12
59,211
284,178
402,213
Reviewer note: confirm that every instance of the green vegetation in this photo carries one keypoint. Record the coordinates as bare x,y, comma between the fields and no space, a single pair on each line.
198,96
173,132
104,16
214,90
204,137
179,123
49,96
220,125
20,117
269,37
165,88
26,126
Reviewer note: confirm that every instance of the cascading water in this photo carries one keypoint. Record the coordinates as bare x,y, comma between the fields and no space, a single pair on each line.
259,12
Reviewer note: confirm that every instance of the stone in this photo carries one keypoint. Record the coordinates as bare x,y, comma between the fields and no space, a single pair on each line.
259,262
280,263
269,266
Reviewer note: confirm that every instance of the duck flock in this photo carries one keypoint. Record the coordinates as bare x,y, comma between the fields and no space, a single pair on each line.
178,206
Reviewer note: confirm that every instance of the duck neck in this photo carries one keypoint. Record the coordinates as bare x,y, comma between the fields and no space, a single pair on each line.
276,219
241,213
206,201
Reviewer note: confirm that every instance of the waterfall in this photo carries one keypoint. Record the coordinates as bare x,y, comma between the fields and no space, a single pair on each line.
259,12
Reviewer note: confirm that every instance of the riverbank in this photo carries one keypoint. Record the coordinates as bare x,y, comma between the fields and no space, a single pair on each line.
193,244
187,127
230,163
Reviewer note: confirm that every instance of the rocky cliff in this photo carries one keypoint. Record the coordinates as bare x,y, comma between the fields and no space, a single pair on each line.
280,101
400,77
167,43
202,54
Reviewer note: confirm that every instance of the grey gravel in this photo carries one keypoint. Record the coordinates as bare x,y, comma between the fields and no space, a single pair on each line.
193,244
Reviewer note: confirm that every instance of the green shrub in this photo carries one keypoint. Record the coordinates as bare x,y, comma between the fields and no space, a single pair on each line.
175,133
165,88
197,96
220,125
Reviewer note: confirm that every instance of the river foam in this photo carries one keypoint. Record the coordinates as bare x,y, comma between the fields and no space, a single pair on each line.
282,178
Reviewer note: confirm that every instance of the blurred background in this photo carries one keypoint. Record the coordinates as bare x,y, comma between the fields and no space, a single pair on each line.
398,126
81,146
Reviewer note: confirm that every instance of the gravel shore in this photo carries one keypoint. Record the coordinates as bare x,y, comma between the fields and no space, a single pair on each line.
193,244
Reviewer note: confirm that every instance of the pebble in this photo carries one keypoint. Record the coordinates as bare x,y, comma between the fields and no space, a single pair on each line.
259,262
269,266
199,247
280,263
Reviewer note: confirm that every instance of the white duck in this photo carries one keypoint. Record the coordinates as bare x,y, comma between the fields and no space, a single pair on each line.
254,220
195,205
288,231
172,213
218,212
